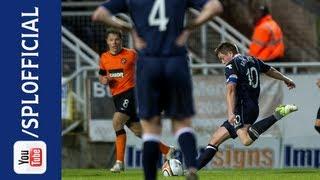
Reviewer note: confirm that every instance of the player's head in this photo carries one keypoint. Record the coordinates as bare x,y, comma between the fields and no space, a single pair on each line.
114,40
260,12
225,52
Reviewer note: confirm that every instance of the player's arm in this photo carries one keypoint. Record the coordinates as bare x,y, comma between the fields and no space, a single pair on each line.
104,15
231,84
231,101
103,74
106,80
103,80
103,77
272,72
210,9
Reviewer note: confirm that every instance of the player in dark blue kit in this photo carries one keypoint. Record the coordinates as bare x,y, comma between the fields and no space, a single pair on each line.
163,81
243,89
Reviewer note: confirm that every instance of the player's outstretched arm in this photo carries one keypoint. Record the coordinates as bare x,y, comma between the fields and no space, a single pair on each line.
278,75
102,14
210,9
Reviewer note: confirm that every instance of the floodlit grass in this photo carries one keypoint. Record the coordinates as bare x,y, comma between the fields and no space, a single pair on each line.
232,174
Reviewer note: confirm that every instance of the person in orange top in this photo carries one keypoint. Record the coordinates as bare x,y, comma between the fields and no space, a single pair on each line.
267,40
117,67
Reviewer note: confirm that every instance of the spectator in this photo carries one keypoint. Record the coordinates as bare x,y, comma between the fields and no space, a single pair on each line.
267,40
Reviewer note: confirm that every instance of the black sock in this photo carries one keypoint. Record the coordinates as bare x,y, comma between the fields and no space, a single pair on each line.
149,159
317,128
261,126
187,142
206,156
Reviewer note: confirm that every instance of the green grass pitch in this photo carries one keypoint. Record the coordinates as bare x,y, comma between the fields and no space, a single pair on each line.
232,174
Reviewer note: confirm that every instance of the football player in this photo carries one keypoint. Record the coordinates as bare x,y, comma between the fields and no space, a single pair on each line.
117,66
243,89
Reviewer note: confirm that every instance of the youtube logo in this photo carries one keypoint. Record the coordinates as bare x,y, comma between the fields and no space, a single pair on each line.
30,157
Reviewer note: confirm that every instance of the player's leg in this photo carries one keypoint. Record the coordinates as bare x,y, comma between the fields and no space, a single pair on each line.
244,135
187,141
151,141
136,128
261,126
148,73
119,119
177,100
246,114
217,138
317,123
124,104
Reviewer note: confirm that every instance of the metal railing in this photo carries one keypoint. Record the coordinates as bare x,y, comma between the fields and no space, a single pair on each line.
86,60
84,55
227,32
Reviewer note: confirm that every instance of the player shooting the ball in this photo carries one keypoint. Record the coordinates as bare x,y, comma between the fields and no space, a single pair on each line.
243,90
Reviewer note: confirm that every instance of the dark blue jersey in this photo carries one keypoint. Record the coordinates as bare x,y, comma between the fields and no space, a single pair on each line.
245,71
158,22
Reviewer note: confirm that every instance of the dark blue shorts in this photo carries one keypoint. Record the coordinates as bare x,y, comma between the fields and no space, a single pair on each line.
164,85
246,113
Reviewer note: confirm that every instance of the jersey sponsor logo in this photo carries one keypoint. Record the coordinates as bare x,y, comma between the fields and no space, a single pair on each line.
123,60
116,73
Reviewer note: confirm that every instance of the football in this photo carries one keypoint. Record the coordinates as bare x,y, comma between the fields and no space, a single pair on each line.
172,167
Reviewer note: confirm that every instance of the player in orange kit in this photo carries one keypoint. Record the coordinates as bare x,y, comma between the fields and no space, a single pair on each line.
117,67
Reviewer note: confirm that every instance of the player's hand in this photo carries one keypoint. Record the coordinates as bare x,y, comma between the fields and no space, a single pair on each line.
290,84
111,81
103,80
232,118
138,42
99,14
183,37
318,83
106,80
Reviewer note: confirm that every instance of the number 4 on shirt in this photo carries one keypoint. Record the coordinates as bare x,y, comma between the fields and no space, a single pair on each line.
158,8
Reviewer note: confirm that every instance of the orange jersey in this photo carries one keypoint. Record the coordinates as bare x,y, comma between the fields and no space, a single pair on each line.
120,68
267,40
